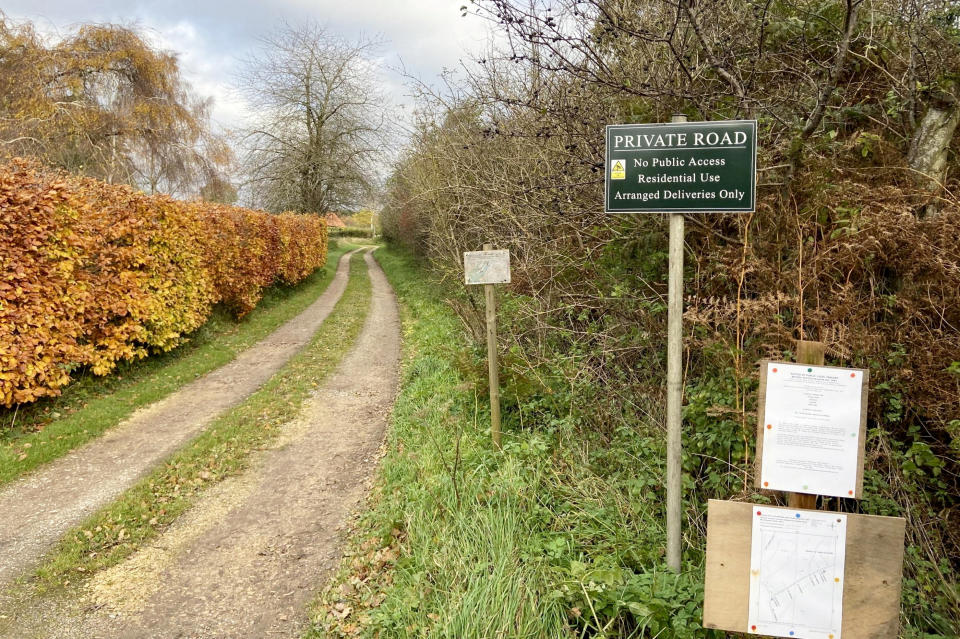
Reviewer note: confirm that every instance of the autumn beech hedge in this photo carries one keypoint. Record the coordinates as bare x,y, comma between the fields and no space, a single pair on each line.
92,274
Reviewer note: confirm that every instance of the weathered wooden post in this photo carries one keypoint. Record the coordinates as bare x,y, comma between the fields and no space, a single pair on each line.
813,353
674,383
489,267
493,365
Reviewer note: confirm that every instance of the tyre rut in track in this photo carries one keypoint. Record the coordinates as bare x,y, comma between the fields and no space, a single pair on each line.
247,559
39,508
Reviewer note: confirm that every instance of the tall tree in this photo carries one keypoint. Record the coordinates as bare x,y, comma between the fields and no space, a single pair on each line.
102,101
312,145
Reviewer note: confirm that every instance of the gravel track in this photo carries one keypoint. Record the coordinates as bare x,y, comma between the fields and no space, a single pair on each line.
39,508
247,559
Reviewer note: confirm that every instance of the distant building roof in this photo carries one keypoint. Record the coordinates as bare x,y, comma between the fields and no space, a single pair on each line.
334,220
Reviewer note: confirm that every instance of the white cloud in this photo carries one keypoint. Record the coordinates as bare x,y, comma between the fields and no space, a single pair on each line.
207,70
427,34
211,37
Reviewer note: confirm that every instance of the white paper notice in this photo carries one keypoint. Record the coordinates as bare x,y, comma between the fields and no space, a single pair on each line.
796,573
811,429
487,267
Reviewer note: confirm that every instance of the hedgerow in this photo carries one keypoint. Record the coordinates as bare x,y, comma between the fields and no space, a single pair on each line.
855,243
94,273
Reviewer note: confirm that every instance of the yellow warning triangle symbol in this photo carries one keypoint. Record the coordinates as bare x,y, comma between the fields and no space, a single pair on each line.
618,166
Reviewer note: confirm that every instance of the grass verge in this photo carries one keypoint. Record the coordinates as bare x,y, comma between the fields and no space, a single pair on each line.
561,536
451,543
145,510
33,435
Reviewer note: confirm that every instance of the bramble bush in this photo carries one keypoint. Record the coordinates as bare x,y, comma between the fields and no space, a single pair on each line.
94,273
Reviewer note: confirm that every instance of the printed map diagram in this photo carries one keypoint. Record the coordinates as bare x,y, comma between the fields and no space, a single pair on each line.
796,573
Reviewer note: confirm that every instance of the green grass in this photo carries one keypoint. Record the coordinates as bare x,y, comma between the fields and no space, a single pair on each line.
145,510
451,545
560,535
35,434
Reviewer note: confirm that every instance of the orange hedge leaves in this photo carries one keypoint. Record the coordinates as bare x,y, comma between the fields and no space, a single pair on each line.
92,273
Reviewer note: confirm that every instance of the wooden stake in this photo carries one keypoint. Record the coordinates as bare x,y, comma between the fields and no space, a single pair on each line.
492,364
812,353
674,384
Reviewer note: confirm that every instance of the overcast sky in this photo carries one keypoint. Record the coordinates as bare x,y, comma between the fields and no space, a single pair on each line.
212,36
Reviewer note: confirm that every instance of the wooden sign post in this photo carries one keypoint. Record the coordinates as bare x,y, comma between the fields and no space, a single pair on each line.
807,353
489,267
677,168
675,385
493,364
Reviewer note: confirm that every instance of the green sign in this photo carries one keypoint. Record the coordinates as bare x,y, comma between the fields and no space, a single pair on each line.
683,167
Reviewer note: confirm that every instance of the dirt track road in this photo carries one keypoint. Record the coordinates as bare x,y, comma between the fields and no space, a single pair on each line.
38,509
246,560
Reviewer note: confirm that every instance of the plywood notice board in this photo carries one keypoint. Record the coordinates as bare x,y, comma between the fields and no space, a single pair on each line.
871,594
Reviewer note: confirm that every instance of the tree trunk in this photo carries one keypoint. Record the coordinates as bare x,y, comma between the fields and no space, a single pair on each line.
930,148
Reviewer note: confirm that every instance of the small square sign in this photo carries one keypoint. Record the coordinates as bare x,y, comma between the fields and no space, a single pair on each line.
487,267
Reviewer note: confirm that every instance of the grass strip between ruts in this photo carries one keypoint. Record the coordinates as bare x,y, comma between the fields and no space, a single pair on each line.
145,510
92,405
